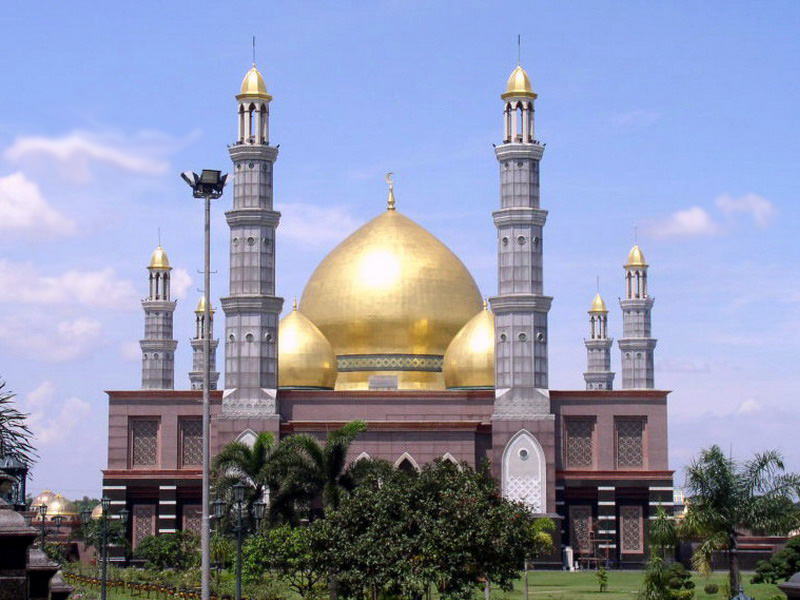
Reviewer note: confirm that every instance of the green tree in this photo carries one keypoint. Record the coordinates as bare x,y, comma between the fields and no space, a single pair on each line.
727,498
15,436
446,528
288,552
313,469
179,551
782,565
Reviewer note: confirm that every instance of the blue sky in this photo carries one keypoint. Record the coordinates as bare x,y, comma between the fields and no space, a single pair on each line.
680,118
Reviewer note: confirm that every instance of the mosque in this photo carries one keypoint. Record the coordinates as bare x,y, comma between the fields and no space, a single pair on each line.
392,329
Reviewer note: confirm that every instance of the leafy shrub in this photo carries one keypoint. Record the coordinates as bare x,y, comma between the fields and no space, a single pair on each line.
170,552
602,579
781,566
711,589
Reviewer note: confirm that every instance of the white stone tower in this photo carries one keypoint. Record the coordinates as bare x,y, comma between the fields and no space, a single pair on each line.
520,307
158,347
196,374
252,309
598,373
636,345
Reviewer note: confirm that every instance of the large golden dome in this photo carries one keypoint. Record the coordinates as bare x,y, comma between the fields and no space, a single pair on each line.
56,504
389,299
305,357
469,360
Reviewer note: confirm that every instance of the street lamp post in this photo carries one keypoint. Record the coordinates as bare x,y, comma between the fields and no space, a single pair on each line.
241,513
208,186
86,517
42,510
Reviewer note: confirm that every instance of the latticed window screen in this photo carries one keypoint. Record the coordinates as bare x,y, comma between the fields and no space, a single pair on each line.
579,443
192,517
630,446
631,531
580,527
144,522
191,442
144,442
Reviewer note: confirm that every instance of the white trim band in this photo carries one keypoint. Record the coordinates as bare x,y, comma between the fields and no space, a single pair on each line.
607,488
168,487
117,502
166,516
662,503
167,530
661,489
607,531
167,501
114,487
606,503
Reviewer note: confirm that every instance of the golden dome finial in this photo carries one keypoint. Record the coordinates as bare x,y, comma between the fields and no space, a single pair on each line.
390,202
518,85
159,259
598,305
294,304
201,306
636,258
253,86
485,304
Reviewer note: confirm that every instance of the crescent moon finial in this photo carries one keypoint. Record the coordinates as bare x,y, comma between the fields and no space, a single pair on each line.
390,202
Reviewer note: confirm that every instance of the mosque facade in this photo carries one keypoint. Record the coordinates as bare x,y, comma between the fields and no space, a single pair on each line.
392,329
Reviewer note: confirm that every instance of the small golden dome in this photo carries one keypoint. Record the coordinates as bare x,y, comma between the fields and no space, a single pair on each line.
43,498
56,504
159,259
253,86
519,84
598,306
305,357
97,512
636,257
201,306
391,295
469,360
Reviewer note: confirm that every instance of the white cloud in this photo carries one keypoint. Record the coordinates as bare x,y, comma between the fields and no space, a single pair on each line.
181,282
23,209
315,225
749,406
130,351
51,420
64,341
20,282
75,152
758,207
691,222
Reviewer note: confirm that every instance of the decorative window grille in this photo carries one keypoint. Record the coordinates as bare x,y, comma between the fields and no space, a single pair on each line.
144,522
631,530
144,442
579,443
192,517
191,442
580,528
630,446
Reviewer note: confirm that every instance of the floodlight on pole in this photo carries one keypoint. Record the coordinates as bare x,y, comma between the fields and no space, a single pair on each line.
209,185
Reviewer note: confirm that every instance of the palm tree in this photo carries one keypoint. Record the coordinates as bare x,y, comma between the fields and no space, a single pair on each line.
257,467
317,470
15,436
726,498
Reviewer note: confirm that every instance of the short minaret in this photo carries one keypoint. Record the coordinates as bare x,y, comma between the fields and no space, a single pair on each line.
636,345
251,308
158,347
598,373
196,374
520,306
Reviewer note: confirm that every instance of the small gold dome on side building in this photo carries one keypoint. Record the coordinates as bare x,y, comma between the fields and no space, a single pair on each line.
43,498
636,257
305,357
159,259
56,504
97,512
253,86
598,306
519,84
469,360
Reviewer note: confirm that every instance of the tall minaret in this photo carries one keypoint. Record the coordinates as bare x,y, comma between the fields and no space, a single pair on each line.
520,307
636,345
196,374
252,309
598,373
158,347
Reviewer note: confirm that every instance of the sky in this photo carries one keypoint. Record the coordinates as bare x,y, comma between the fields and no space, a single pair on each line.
673,122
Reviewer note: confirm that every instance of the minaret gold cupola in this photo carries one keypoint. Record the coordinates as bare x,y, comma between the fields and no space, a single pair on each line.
253,109
519,97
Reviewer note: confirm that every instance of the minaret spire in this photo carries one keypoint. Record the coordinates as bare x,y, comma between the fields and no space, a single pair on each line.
251,308
390,201
598,373
158,347
196,374
636,345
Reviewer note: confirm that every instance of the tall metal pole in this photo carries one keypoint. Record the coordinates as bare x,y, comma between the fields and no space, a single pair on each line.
103,554
205,532
239,532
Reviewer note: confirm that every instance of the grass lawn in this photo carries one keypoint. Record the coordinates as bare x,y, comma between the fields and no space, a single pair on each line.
559,585
622,585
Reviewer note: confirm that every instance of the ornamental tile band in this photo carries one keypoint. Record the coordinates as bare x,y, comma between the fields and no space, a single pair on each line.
390,362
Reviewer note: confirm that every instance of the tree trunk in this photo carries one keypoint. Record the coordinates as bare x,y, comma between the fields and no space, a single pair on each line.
526,579
733,566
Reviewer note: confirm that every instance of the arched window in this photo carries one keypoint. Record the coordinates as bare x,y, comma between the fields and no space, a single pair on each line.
406,463
524,476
